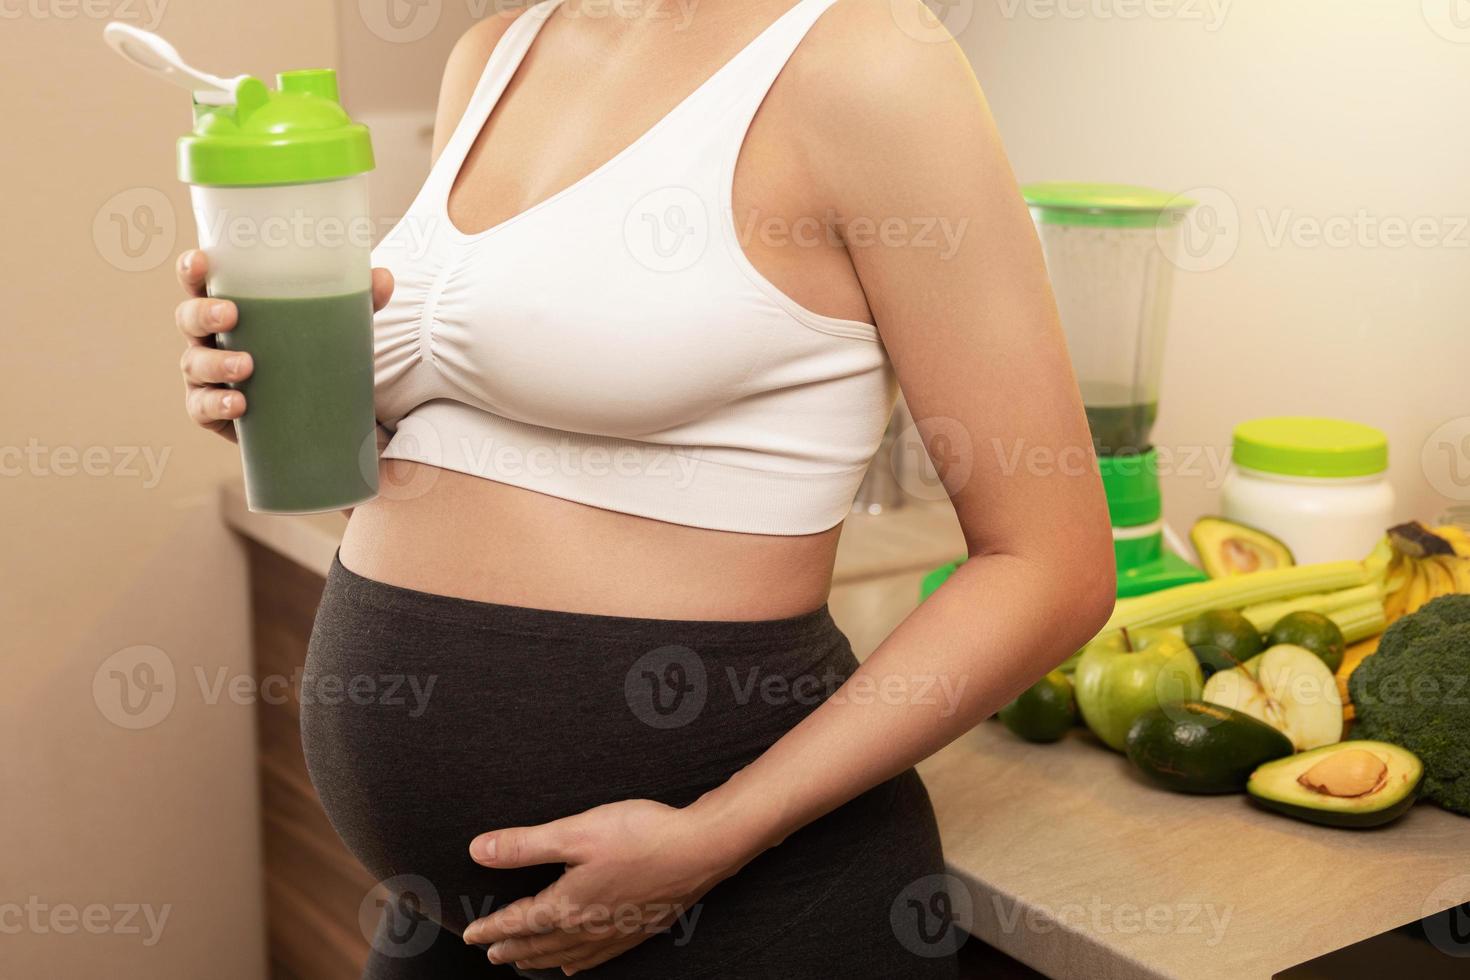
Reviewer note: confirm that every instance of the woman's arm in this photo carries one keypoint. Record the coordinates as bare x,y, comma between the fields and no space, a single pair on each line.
980,355
944,247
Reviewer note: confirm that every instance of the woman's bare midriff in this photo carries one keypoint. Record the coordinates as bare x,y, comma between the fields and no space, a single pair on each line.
450,533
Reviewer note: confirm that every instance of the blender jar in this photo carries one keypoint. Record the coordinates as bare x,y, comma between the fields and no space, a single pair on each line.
1109,251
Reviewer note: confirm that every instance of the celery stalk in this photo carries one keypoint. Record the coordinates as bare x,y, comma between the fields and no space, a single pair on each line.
1173,606
1265,615
1360,621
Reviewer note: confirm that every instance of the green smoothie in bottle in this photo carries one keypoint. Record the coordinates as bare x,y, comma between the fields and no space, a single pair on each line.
278,181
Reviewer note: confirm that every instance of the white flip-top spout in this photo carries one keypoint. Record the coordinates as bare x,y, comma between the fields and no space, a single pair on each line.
155,55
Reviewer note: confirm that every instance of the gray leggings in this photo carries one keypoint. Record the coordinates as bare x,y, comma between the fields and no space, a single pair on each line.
427,720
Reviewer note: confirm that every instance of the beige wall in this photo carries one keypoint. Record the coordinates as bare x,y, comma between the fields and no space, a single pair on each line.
99,821
1309,114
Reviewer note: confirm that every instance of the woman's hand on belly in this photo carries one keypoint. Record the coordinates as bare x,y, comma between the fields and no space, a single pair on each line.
633,869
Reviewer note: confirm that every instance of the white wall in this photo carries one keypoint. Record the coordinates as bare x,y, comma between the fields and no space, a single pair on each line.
1308,115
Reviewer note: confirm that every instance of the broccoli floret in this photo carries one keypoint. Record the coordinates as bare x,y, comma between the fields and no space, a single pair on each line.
1415,692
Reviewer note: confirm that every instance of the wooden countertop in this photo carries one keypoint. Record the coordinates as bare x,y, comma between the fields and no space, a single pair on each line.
1078,868
917,537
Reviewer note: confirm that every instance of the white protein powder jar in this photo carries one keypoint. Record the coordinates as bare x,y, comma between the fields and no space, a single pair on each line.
1319,485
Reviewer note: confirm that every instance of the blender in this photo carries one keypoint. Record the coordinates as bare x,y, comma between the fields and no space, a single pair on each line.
1110,251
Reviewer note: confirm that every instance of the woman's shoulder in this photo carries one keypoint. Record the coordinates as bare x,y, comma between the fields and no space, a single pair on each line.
874,70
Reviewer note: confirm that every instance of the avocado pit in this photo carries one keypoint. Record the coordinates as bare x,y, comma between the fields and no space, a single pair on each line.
1346,774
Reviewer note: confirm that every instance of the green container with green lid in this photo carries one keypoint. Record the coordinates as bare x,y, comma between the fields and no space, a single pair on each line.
278,182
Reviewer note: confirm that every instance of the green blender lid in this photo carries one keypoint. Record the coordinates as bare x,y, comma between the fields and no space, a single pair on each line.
1131,484
1101,205
1314,447
247,135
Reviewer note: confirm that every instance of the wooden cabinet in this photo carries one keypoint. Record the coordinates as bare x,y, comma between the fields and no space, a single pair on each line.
313,886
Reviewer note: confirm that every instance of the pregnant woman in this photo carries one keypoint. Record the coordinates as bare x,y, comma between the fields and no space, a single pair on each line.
638,337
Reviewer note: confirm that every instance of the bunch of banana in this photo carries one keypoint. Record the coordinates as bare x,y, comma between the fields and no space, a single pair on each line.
1423,564
1426,564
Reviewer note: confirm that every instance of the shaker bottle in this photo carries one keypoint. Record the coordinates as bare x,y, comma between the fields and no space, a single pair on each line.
278,181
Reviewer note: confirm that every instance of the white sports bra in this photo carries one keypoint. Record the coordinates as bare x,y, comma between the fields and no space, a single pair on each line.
613,345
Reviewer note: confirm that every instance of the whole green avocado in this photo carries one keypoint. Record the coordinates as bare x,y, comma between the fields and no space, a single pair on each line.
1415,693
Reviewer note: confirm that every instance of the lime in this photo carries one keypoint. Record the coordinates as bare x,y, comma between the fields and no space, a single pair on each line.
1315,632
1044,711
1222,639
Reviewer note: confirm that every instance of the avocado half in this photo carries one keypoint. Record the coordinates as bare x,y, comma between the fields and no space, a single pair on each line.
1348,784
1227,548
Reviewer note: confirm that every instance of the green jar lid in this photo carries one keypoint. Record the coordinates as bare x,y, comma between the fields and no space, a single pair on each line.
1131,484
1315,447
294,135
1101,205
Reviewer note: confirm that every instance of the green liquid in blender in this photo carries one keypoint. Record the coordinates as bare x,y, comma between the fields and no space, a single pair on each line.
308,433
1121,429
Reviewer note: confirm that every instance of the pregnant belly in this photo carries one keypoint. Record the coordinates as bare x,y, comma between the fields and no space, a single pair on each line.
427,720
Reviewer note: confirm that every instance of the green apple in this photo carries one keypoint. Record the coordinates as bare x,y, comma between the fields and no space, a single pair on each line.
1288,687
1123,673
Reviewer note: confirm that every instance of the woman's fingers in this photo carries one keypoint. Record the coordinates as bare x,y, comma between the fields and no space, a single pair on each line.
200,318
521,847
600,953
211,406
382,288
532,915
548,950
192,269
209,366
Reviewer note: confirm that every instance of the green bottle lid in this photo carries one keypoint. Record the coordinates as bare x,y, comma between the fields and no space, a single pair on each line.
1101,205
1314,447
1131,484
296,134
